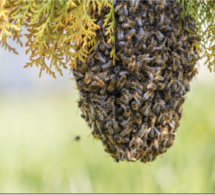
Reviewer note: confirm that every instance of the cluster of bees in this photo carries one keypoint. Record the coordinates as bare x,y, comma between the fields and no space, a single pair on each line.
134,106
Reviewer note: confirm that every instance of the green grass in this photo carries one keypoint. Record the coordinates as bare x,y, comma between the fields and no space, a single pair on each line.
39,154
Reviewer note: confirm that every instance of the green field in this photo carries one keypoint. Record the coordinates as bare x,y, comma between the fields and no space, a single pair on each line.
39,154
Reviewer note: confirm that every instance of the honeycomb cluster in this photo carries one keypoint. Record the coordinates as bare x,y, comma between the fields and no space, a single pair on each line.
134,106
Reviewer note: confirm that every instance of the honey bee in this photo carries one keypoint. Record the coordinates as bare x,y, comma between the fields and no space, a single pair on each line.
99,57
112,84
109,125
129,156
148,95
122,43
142,57
152,118
110,107
134,105
133,5
132,61
127,131
99,125
141,36
138,118
100,110
96,134
142,131
169,143
159,105
146,26
151,16
127,112
128,48
128,24
137,98
130,34
107,65
174,85
135,142
146,109
144,14
120,139
120,33
121,82
102,46
159,35
139,21
88,77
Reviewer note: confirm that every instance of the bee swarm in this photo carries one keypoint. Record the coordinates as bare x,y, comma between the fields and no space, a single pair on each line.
134,106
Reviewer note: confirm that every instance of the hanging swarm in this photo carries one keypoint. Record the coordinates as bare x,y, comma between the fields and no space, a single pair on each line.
134,106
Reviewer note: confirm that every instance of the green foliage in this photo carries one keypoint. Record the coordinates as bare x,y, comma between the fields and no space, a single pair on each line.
58,31
204,12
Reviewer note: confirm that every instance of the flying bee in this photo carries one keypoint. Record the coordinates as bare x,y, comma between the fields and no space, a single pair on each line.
120,83
130,34
112,84
99,57
127,131
88,77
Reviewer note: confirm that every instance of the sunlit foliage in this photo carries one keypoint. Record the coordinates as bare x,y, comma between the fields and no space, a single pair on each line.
60,31
204,12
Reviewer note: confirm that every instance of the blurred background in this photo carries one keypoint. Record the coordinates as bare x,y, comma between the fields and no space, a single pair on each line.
39,120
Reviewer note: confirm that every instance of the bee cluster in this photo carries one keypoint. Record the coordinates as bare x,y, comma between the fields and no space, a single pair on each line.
134,106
